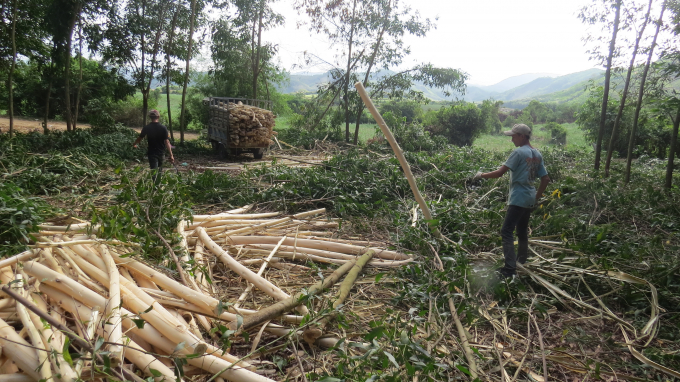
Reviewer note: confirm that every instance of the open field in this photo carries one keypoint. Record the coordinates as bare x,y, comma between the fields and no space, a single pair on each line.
540,139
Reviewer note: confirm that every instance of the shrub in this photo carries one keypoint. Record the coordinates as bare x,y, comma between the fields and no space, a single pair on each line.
460,124
411,136
410,110
558,134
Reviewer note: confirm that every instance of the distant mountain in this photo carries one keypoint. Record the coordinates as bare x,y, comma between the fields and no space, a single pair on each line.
526,86
513,82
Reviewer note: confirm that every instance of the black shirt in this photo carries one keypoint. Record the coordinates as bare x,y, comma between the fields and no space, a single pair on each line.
155,134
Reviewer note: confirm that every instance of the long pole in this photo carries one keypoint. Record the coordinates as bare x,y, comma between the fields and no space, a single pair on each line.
400,156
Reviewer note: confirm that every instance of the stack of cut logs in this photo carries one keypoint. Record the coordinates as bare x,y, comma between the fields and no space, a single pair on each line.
128,320
249,126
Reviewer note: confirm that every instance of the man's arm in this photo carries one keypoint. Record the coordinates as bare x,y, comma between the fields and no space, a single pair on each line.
169,146
139,139
496,174
545,179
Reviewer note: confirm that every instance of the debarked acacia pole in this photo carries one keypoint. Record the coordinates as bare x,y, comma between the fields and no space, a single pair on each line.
400,156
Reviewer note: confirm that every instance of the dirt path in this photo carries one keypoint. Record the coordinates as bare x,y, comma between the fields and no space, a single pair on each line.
27,125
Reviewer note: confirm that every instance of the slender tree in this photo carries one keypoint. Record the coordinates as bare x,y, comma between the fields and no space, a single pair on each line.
182,114
638,106
76,107
624,94
607,78
10,79
168,68
673,146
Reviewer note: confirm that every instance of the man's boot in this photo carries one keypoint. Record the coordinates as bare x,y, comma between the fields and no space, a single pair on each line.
522,251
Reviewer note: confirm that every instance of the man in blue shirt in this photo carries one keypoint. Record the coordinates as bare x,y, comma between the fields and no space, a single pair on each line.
525,165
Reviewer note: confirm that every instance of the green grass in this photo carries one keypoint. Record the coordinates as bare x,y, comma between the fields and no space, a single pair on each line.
492,142
366,130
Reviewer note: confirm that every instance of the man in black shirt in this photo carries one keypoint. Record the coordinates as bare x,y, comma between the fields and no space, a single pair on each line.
157,138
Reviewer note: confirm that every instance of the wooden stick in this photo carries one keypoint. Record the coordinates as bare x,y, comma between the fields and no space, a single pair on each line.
464,340
400,156
245,293
260,282
280,307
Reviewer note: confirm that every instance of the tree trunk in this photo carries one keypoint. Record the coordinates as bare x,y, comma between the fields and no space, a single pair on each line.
167,76
47,103
182,114
256,61
67,71
154,54
671,154
145,97
80,73
631,140
360,107
607,78
10,78
619,115
349,66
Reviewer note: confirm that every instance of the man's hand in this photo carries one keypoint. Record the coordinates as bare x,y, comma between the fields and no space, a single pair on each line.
172,159
477,176
134,146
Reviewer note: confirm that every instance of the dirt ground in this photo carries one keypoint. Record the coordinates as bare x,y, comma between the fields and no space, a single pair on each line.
27,125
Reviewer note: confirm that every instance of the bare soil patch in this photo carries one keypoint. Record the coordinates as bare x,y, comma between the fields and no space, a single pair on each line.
27,125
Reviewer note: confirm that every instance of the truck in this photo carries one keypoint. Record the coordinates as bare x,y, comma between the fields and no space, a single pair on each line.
219,129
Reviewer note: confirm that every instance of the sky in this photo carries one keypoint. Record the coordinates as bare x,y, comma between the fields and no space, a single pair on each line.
491,40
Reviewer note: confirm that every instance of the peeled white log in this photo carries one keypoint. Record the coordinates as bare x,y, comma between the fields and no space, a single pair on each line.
272,223
261,283
259,273
112,327
64,228
45,369
226,215
136,300
318,244
53,340
16,377
133,352
18,350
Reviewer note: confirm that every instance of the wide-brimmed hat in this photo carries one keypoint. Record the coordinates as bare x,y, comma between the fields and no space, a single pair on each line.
519,128
154,113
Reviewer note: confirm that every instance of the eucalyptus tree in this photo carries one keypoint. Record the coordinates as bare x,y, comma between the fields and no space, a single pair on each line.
133,41
237,44
369,34
638,107
594,15
23,34
626,86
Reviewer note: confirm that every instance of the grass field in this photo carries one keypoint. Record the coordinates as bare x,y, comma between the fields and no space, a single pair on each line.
575,138
366,130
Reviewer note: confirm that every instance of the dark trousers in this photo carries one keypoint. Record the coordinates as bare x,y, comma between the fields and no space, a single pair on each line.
516,219
156,163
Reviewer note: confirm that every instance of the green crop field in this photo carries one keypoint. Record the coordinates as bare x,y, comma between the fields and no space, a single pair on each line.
492,142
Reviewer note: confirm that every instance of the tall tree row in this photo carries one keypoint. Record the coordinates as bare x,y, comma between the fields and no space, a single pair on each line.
368,36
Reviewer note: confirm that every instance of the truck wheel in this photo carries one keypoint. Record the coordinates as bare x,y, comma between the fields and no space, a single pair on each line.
258,153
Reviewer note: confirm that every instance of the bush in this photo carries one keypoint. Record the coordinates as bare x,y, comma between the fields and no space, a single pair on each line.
19,218
558,134
410,110
129,111
460,124
411,136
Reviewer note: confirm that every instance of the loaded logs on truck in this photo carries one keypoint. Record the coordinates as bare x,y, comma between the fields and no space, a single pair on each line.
248,125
